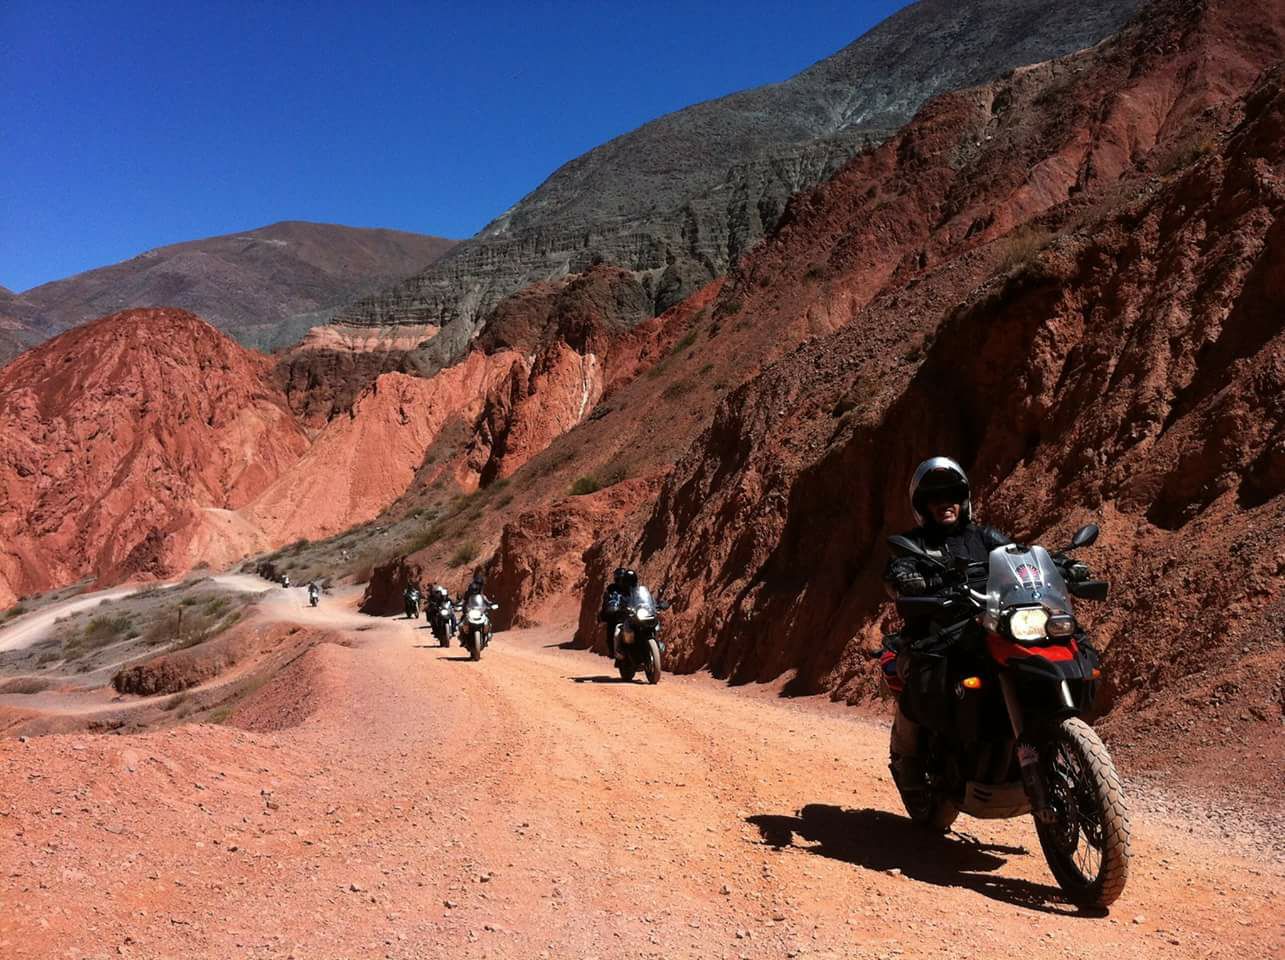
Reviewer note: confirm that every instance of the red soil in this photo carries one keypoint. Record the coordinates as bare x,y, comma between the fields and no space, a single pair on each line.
122,440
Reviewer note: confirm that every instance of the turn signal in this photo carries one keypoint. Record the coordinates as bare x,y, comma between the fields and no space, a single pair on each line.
1096,673
971,683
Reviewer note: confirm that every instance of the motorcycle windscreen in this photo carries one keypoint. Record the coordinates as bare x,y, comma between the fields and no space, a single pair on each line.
641,600
1023,577
476,602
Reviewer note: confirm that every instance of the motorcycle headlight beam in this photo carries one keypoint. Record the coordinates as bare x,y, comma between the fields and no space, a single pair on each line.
1028,623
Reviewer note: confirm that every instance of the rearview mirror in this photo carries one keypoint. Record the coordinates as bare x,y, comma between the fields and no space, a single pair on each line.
663,605
1084,536
1089,589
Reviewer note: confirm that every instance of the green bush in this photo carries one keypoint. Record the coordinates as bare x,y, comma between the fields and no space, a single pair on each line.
465,553
677,389
684,343
584,486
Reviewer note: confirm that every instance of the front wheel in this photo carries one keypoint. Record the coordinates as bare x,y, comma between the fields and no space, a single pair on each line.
652,666
1087,844
474,646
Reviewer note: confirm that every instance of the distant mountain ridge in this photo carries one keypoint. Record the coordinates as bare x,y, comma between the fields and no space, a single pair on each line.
265,286
680,199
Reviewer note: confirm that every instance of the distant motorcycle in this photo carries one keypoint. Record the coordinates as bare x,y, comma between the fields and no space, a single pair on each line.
441,617
637,636
412,604
1003,683
314,595
475,627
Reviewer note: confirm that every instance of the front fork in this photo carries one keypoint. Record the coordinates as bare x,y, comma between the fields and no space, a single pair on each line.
1028,756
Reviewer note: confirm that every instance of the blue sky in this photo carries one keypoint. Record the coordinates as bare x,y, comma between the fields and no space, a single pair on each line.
130,125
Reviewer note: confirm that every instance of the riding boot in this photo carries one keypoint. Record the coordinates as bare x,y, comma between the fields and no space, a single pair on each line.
906,763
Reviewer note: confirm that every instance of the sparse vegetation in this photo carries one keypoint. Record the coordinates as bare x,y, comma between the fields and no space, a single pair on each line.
677,389
101,631
1021,247
465,553
684,343
585,485
1183,156
727,308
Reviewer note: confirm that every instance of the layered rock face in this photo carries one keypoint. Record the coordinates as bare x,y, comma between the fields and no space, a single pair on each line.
1070,282
126,447
682,198
265,287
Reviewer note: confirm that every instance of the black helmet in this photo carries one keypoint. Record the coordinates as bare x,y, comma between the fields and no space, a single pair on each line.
626,579
939,475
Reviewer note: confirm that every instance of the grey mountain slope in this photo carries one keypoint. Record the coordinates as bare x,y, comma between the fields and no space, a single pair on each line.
681,198
264,287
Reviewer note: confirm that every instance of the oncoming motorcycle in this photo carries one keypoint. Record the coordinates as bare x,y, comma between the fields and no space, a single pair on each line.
1002,710
475,626
440,613
637,636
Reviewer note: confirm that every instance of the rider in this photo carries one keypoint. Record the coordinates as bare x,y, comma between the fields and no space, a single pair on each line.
411,596
941,501
476,587
612,613
439,595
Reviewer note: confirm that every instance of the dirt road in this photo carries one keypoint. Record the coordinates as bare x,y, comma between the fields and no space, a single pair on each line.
531,806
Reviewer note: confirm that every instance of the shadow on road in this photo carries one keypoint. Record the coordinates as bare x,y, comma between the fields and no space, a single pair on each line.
878,840
599,679
464,659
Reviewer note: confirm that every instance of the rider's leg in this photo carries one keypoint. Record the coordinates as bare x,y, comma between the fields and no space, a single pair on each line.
906,762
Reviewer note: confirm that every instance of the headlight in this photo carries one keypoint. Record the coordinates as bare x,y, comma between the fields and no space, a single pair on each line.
475,617
1028,623
645,614
1060,625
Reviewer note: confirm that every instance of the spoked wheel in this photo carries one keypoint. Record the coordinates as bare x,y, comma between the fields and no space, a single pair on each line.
653,661
1087,846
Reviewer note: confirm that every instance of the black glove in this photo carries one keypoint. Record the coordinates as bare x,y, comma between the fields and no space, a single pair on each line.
1077,572
909,579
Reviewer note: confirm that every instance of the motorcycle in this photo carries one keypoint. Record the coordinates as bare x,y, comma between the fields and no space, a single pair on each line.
475,627
412,604
440,613
637,636
1002,711
314,596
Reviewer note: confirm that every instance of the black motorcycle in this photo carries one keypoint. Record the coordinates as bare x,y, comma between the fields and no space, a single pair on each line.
440,613
1001,685
411,601
637,636
475,626
314,595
